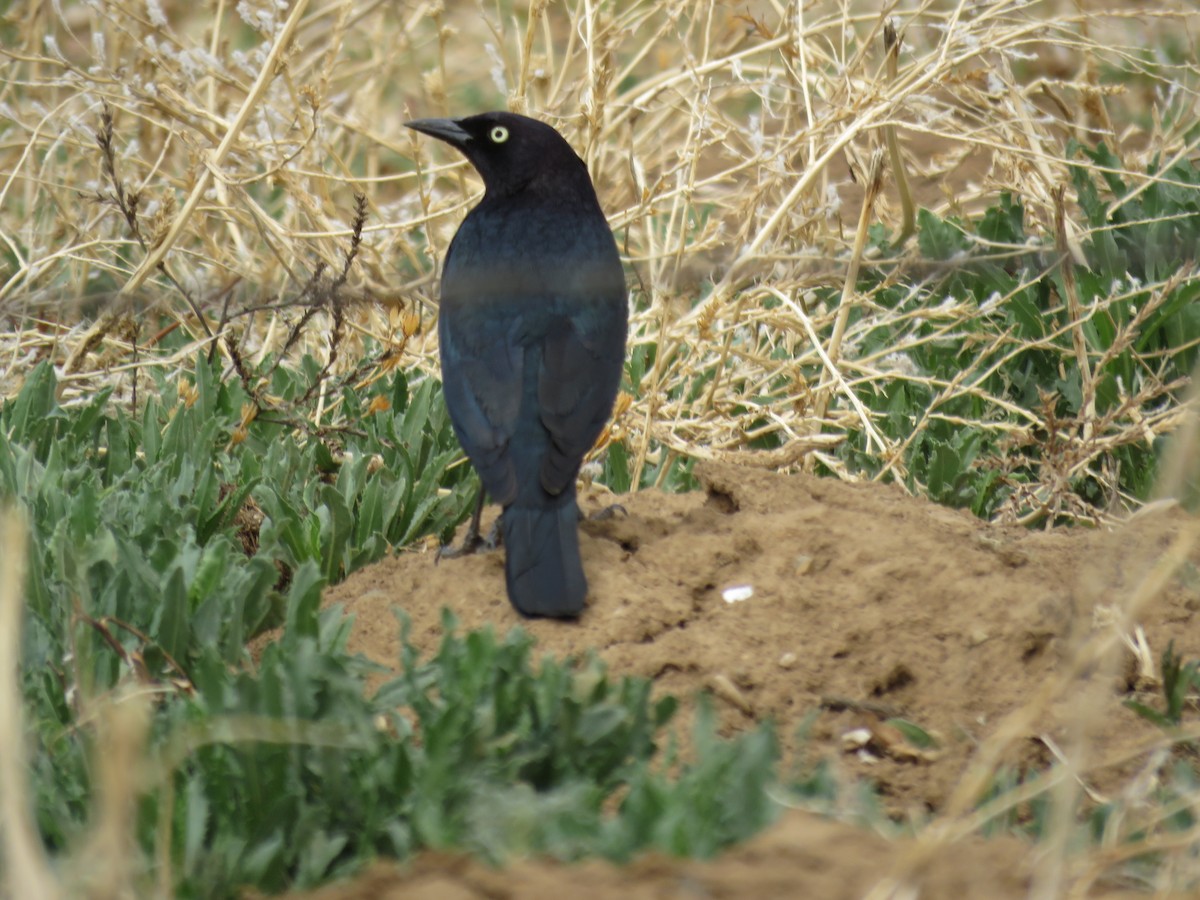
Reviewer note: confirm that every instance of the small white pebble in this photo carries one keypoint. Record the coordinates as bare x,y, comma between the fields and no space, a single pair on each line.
738,593
856,739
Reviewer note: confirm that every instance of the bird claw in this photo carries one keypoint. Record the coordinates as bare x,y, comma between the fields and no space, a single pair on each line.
473,542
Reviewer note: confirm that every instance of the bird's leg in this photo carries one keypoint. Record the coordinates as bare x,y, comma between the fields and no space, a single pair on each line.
472,541
496,536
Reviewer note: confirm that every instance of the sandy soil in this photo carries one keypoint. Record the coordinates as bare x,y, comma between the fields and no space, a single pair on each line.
866,603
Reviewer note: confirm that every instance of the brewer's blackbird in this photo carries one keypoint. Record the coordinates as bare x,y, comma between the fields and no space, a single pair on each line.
532,332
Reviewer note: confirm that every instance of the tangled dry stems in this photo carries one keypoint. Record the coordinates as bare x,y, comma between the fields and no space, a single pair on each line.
160,161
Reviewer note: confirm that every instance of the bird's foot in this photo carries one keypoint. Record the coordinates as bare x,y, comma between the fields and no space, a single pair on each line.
605,513
472,542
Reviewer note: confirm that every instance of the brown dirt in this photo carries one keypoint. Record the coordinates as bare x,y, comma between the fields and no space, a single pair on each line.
866,602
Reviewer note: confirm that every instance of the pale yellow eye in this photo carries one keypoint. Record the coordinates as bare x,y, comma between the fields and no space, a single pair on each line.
499,134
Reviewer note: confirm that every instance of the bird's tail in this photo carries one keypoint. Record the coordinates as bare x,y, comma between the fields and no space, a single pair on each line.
541,559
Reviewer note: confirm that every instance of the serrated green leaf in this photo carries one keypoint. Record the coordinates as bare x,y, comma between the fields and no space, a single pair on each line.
303,599
335,537
399,392
939,239
171,626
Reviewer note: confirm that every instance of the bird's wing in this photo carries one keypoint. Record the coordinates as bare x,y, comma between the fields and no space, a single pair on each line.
481,378
582,358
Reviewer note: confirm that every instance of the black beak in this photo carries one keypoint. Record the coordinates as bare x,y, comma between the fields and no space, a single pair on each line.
446,130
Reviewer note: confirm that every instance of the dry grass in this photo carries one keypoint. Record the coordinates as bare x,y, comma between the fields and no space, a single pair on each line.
729,145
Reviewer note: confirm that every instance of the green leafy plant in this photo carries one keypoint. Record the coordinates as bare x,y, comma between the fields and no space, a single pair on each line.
160,535
292,774
959,397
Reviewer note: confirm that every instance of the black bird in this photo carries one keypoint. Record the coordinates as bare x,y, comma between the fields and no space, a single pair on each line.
532,332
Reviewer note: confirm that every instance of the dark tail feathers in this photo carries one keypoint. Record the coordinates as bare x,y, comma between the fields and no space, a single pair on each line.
541,560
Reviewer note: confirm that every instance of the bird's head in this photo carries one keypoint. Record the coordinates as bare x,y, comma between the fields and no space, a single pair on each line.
508,150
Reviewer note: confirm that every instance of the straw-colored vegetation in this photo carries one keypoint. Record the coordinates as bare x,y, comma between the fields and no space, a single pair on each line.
167,168
233,180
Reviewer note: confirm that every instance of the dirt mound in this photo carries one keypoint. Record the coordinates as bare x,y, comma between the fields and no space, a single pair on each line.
864,603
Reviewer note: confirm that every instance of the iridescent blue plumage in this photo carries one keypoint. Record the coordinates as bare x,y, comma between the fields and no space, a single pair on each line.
532,330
